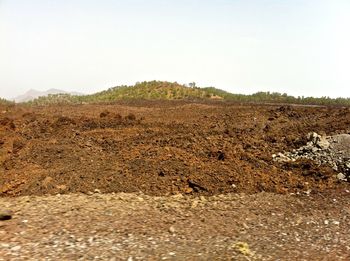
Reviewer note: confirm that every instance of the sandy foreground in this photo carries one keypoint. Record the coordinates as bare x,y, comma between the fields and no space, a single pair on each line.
95,226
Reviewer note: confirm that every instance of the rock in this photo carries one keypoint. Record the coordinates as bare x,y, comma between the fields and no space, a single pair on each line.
16,248
5,215
313,137
318,140
243,248
347,164
172,230
308,192
323,143
194,203
280,157
188,190
331,150
314,149
341,176
202,198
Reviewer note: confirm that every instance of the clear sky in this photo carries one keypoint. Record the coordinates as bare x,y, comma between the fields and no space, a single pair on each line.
301,47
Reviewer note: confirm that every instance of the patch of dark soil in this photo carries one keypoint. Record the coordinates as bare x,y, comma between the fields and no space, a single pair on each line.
104,114
7,122
63,121
130,117
17,145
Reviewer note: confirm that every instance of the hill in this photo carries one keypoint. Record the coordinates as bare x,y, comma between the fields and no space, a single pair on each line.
34,94
153,90
161,90
5,102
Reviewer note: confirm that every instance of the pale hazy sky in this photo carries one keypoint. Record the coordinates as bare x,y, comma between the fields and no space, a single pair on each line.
301,47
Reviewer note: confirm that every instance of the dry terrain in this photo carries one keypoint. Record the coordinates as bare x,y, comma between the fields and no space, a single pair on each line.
170,180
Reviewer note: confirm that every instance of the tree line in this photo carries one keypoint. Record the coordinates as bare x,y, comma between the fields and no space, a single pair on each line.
160,90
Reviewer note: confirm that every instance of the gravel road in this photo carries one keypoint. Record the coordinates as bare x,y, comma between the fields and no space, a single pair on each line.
260,226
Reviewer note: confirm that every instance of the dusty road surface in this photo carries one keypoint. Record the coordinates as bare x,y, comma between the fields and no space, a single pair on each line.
261,226
146,180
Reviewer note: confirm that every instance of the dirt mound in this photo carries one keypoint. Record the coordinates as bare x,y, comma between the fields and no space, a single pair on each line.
163,148
7,122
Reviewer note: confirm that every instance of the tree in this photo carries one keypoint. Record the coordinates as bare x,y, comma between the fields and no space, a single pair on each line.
192,85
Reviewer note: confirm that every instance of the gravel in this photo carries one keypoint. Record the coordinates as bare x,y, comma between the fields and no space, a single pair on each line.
261,226
333,151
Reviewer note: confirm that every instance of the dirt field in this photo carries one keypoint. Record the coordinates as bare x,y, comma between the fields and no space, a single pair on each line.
169,148
162,148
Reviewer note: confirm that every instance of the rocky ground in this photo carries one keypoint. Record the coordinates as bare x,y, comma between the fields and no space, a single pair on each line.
261,226
174,180
330,150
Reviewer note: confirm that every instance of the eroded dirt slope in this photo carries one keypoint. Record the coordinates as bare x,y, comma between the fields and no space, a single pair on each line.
162,148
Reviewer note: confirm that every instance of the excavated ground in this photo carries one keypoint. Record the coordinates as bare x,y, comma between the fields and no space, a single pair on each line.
230,199
163,148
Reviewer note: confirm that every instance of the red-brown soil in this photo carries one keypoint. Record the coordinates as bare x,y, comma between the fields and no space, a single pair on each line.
162,148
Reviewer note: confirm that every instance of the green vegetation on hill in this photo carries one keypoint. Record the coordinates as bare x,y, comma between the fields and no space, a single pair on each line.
275,97
5,102
159,90
154,90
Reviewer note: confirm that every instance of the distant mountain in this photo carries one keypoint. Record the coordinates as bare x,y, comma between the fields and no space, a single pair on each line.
34,94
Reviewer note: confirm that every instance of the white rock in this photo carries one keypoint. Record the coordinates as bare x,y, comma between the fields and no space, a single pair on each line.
172,229
341,176
16,248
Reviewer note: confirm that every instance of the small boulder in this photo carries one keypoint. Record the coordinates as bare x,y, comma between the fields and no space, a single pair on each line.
323,143
172,230
318,140
341,176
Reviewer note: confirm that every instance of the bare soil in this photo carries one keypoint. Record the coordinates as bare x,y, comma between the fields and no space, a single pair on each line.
176,180
162,148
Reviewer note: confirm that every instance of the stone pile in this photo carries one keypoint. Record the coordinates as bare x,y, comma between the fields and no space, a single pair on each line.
333,151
